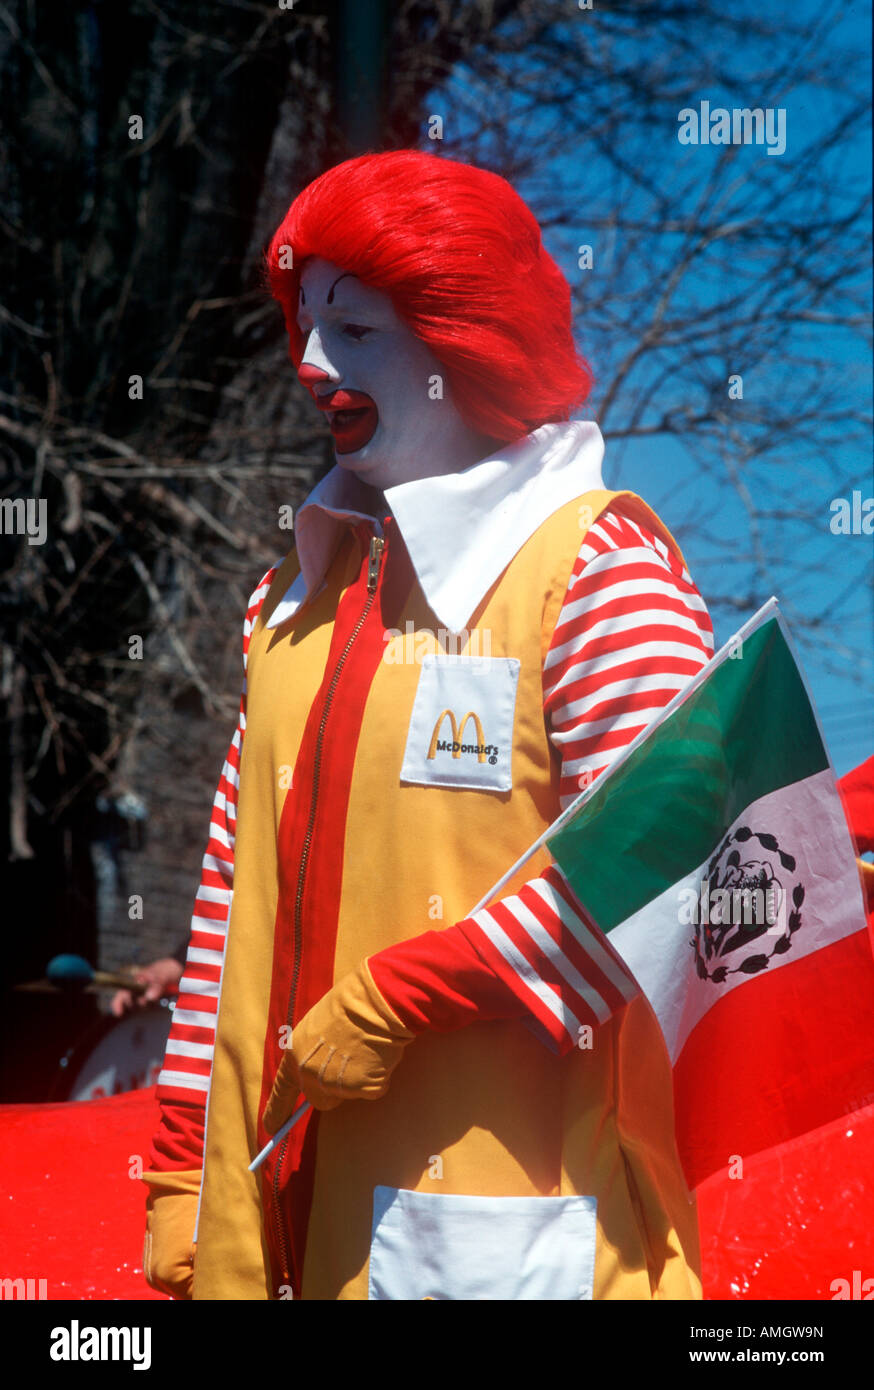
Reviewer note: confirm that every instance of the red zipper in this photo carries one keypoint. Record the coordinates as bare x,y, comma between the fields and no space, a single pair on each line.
377,545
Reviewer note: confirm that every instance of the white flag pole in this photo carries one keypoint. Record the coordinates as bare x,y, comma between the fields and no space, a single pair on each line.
279,1135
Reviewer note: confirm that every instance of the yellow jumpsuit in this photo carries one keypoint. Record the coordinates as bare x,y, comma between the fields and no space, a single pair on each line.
492,1168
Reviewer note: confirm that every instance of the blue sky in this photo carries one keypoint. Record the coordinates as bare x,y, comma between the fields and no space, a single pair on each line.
770,531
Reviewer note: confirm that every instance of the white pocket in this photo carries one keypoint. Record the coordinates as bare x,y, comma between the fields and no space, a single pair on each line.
461,728
431,1245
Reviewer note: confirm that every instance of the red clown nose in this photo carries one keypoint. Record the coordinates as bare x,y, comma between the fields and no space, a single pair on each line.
311,376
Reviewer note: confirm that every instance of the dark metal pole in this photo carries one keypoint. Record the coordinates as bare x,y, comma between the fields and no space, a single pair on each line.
362,48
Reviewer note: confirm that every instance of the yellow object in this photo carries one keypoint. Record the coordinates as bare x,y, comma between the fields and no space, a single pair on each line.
866,874
486,1112
171,1216
345,1048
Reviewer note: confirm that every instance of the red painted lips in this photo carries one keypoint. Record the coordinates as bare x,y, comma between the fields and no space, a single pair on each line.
352,418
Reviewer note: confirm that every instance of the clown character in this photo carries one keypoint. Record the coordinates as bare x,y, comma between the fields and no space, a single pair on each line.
469,628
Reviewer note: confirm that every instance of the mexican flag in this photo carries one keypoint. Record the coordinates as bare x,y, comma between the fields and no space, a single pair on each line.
716,857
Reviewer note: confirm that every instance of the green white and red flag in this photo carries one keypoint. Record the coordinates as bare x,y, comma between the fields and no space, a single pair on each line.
715,856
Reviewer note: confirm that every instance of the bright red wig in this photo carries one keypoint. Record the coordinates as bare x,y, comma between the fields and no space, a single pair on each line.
462,258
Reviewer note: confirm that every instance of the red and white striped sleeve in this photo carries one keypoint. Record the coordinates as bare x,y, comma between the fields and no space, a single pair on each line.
183,1083
631,632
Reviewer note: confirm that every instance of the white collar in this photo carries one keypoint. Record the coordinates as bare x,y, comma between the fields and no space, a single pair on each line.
461,529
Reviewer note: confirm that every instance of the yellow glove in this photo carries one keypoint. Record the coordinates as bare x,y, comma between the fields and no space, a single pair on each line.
345,1048
171,1214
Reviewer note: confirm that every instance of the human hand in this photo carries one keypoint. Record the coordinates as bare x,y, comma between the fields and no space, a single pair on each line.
160,977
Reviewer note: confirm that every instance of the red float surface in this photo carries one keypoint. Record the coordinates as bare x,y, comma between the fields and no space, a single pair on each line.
70,1212
801,1216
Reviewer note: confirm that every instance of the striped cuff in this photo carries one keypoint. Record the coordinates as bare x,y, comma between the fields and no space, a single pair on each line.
560,967
178,1142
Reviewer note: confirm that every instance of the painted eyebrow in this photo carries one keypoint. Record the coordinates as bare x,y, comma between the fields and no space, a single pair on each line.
347,275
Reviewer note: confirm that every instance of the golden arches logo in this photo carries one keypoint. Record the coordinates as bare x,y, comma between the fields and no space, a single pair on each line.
458,733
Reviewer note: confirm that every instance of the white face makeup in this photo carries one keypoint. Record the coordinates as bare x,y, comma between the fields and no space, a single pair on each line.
374,379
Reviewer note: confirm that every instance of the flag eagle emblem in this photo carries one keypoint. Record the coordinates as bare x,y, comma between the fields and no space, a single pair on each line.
743,900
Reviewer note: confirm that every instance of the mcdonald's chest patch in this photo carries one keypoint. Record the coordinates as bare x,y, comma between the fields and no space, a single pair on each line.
461,728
